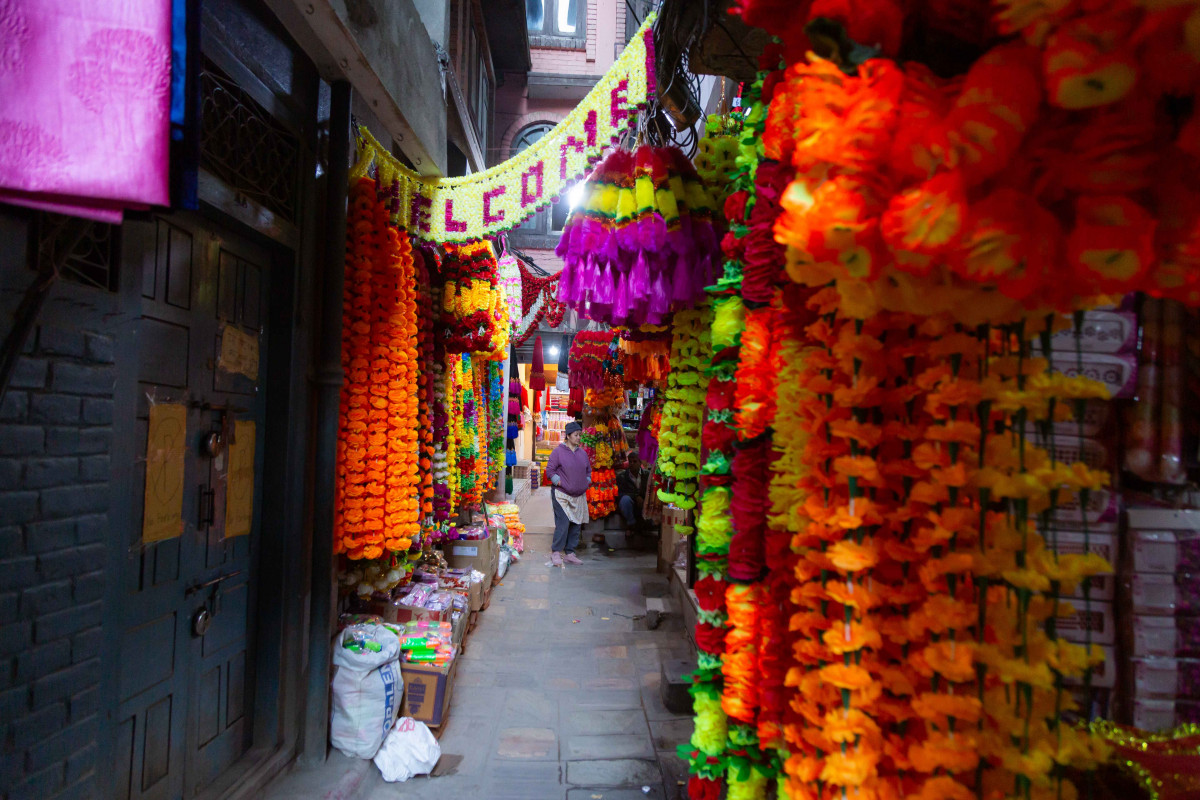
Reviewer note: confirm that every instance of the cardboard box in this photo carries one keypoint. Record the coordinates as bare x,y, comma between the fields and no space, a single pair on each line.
460,629
1168,519
1098,618
1152,637
1117,372
427,691
1164,551
480,554
1164,678
399,613
475,597
1101,332
1095,419
1163,715
1160,595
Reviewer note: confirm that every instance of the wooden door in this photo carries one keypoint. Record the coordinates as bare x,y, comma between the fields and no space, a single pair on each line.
185,685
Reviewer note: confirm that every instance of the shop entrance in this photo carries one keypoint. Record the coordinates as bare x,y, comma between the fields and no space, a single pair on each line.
187,655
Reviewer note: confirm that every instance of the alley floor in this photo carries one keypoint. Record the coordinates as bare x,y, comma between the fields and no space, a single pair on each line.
557,696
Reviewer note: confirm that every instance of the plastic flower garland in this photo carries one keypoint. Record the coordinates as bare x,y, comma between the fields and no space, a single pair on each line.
509,271
496,419
647,354
538,305
642,243
718,152
1041,171
593,360
471,299
923,660
443,445
679,437
426,397
376,495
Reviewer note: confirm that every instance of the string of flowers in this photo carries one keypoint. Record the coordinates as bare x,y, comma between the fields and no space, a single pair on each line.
376,500
426,396
471,298
539,305
926,665
679,440
495,370
457,442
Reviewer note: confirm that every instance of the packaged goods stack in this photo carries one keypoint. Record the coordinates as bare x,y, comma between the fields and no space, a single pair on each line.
1158,591
1159,608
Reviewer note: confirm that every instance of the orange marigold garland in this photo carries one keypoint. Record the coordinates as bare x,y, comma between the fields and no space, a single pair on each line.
376,499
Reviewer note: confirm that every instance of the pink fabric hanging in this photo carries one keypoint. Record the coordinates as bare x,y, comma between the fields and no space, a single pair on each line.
85,123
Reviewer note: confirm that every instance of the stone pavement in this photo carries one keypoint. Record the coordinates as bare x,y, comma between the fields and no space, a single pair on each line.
557,692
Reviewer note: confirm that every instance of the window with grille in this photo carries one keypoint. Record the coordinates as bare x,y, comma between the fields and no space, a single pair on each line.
93,260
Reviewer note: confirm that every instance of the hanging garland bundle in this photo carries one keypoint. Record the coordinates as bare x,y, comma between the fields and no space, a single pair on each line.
471,298
1043,174
509,270
718,152
496,417
925,661
376,496
539,304
443,442
642,243
647,352
515,407
590,361
679,439
426,398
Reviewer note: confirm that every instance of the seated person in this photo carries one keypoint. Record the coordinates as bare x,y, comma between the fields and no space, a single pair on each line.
631,493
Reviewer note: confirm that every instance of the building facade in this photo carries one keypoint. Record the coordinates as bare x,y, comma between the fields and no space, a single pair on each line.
133,666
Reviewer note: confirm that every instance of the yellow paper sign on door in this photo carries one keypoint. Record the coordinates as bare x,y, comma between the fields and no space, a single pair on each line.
165,448
239,487
239,352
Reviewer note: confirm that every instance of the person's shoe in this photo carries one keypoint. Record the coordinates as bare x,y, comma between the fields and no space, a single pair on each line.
556,560
571,558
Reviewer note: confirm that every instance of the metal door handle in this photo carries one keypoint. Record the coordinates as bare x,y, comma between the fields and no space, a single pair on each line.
199,587
208,508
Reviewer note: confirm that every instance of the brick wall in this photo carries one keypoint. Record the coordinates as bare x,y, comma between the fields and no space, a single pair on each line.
546,259
555,61
55,437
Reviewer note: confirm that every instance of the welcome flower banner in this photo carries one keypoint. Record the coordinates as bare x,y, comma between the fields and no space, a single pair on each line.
501,198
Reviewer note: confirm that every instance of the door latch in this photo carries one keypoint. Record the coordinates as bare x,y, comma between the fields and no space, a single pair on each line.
208,508
201,621
202,618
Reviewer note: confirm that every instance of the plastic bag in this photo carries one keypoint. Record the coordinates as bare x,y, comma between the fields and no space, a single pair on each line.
505,559
410,749
367,689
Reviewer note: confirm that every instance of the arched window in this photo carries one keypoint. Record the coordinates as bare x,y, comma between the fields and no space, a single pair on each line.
550,221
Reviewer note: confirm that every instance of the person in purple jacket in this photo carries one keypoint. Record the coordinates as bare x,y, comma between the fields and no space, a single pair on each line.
570,472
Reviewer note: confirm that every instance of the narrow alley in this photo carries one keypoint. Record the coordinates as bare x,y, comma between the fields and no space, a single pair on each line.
566,657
